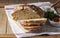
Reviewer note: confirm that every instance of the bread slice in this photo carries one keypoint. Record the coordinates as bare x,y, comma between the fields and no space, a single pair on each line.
33,24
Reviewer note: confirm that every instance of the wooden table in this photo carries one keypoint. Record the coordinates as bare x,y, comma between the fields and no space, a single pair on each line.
5,29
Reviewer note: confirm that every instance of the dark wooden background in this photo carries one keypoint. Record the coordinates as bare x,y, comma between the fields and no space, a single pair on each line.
22,1
4,2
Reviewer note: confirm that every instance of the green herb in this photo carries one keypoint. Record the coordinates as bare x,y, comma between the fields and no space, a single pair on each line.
49,14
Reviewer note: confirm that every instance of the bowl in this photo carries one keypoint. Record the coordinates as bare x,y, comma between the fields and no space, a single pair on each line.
56,24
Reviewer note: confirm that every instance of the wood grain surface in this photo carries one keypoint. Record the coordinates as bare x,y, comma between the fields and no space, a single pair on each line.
5,29
2,21
7,2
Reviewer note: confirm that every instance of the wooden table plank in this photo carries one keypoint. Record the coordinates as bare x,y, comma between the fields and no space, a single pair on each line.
53,36
2,21
5,29
4,25
7,36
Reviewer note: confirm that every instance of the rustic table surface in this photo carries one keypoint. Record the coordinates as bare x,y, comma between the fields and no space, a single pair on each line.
5,29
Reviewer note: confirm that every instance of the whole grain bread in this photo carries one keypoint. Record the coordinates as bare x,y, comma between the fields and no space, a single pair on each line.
27,12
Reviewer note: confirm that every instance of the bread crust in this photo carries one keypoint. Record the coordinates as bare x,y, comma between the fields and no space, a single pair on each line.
24,12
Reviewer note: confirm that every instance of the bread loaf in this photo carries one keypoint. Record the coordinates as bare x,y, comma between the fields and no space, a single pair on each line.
26,13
